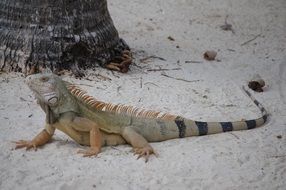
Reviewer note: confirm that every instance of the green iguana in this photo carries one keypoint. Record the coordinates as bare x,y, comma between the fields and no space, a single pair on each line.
96,124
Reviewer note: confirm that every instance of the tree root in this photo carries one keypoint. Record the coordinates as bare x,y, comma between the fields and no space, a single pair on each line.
121,63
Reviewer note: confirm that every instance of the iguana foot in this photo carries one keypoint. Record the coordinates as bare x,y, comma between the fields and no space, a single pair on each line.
89,152
27,144
144,152
121,63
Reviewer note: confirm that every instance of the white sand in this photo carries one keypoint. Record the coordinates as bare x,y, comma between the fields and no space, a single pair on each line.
254,159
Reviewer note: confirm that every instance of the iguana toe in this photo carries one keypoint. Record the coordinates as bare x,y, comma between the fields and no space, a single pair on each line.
89,152
27,144
144,152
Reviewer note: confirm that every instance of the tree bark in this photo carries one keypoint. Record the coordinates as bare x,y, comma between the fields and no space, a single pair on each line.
59,34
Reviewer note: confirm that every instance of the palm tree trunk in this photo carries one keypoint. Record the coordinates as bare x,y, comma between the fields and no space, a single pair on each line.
59,34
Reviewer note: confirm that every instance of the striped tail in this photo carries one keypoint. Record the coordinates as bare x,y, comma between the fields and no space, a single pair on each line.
197,128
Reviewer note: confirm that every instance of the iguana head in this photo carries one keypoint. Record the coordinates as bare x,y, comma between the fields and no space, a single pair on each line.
47,87
52,93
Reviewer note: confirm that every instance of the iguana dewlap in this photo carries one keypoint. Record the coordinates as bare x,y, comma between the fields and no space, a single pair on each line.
95,123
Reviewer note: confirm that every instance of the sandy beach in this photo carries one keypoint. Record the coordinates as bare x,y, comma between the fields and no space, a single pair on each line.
168,39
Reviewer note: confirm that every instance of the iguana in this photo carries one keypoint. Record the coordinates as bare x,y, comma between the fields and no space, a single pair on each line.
96,123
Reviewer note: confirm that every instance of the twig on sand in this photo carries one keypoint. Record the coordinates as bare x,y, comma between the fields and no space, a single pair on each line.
118,88
248,41
151,83
193,61
134,64
80,84
278,156
165,75
103,77
114,74
163,69
234,135
227,26
115,148
152,57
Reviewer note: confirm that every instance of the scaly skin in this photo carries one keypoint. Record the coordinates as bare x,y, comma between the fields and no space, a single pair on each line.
96,124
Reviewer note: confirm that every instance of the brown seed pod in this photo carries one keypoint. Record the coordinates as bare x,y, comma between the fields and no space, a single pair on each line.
210,55
256,84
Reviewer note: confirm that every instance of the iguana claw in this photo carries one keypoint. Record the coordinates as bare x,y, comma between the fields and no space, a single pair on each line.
144,152
27,144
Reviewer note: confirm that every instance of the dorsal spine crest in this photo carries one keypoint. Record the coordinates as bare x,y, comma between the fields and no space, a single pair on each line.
116,108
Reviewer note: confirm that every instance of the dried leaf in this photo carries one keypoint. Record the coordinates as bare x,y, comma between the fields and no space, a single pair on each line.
210,55
171,38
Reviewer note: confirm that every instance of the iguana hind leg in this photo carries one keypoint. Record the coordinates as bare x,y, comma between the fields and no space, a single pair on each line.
95,143
138,142
97,138
111,139
73,124
87,132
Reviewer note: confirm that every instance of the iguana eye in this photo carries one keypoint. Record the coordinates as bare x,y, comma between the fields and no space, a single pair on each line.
44,79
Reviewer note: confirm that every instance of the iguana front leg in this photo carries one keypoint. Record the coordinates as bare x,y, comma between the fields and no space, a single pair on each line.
138,142
42,138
